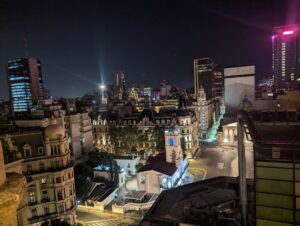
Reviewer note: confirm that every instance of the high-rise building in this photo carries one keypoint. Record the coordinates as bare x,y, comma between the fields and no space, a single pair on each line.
25,83
204,76
218,81
286,56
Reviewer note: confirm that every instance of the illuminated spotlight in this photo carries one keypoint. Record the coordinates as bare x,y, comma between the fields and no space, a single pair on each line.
225,140
102,86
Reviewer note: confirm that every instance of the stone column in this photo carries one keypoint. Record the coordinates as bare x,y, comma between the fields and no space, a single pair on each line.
231,136
225,134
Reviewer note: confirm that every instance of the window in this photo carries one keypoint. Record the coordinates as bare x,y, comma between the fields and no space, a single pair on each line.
58,179
60,208
40,150
45,196
56,163
69,175
29,168
31,197
33,212
70,190
59,195
46,209
54,150
171,141
142,180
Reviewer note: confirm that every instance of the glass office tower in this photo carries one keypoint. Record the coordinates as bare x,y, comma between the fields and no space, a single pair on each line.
25,83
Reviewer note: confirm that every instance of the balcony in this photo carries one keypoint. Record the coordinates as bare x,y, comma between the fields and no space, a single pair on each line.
50,169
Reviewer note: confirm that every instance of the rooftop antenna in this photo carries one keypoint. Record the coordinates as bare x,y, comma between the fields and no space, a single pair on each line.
26,47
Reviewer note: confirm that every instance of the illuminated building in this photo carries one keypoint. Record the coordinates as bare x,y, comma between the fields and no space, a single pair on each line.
205,113
48,169
286,57
147,120
204,76
25,83
165,170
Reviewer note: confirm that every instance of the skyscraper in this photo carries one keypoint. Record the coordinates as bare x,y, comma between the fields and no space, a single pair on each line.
204,76
25,83
218,81
286,57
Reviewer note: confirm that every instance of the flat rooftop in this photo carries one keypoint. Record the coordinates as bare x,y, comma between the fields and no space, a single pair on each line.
276,126
191,202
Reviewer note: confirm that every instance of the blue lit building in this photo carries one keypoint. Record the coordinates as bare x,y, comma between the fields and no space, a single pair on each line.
25,84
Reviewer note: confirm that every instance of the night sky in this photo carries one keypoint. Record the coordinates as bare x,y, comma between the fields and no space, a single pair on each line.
80,42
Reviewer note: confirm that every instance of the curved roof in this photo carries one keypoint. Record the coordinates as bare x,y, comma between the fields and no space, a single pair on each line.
54,131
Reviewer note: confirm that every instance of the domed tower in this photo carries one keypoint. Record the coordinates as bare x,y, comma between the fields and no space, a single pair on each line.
56,139
173,146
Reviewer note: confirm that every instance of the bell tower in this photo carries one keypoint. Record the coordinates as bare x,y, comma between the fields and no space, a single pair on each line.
173,145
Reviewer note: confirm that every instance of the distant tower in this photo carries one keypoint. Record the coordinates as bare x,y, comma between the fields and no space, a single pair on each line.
173,145
25,83
286,57
204,76
120,84
202,112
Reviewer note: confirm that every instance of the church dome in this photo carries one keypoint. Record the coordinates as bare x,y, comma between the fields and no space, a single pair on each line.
54,131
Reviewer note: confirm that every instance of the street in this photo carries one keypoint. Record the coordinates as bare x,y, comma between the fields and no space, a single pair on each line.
218,161
100,218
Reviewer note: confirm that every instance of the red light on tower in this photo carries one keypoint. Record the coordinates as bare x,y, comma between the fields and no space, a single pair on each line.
288,32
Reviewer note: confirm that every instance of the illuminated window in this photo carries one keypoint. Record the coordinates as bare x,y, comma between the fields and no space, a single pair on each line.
31,197
171,141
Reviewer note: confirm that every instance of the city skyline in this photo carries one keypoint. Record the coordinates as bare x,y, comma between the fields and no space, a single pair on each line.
113,36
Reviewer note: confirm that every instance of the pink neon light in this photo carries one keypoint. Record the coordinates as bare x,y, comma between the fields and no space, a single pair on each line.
288,32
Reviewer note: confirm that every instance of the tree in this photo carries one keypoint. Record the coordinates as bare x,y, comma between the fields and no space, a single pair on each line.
83,184
133,151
